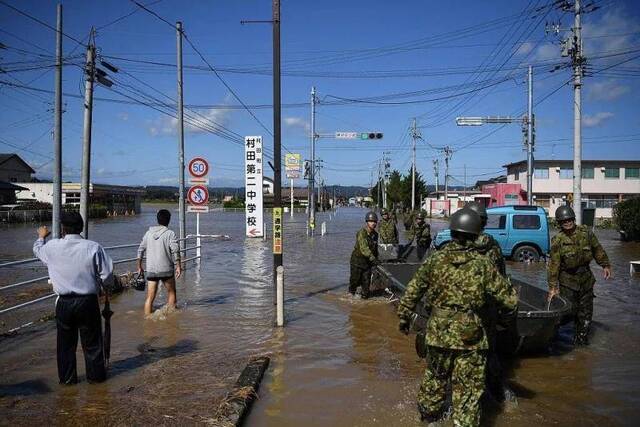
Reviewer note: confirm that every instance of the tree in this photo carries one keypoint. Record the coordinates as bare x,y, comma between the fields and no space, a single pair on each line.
421,188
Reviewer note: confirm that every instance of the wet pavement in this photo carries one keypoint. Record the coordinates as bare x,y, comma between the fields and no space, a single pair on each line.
340,361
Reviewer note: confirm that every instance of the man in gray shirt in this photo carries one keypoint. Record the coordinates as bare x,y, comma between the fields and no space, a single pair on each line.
77,269
163,257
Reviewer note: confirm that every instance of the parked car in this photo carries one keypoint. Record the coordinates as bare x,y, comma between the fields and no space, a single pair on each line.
521,231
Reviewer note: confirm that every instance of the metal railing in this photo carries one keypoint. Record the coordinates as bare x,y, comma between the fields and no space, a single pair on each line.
121,261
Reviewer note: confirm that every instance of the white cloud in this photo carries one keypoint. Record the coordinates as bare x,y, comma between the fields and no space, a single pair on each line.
547,51
610,31
607,90
198,123
524,48
123,116
297,122
596,119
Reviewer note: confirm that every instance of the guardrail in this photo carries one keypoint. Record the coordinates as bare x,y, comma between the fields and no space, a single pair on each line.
121,261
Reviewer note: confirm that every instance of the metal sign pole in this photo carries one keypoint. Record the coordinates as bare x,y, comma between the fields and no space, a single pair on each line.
198,235
291,197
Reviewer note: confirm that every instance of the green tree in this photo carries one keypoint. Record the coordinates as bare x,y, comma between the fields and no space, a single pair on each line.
421,188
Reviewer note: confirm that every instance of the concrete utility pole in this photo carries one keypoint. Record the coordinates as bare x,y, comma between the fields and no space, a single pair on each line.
577,115
277,123
436,173
181,204
415,134
465,182
57,139
530,138
385,182
90,71
312,167
447,155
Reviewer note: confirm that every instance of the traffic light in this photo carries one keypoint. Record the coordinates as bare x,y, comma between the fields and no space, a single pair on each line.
371,135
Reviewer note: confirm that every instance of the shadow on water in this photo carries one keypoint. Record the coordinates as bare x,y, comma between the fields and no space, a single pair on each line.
215,300
313,293
25,388
149,355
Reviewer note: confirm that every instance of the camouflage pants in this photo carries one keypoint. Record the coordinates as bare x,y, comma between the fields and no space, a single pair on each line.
360,276
581,305
464,369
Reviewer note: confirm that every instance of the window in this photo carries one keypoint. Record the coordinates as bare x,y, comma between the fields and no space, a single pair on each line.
526,222
587,173
631,173
566,173
612,173
541,173
511,199
517,175
496,221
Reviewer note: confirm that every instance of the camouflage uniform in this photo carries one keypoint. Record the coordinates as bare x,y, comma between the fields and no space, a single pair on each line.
422,236
363,257
487,245
388,232
408,219
569,268
457,283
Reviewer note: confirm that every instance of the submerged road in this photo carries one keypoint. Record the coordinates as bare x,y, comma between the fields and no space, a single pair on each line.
339,361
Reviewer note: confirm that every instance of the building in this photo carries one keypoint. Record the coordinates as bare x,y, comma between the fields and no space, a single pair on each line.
14,169
604,183
8,192
114,198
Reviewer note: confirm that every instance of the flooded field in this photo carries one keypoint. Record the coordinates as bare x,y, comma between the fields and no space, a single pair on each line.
340,361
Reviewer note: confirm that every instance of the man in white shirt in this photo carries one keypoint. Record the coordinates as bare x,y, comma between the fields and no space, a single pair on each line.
77,269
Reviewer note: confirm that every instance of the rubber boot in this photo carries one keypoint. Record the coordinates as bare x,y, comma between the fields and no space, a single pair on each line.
582,332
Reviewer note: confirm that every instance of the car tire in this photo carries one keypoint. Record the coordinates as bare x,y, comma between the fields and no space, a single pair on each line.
526,253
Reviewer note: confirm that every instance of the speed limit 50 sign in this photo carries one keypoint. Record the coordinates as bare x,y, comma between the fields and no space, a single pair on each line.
198,167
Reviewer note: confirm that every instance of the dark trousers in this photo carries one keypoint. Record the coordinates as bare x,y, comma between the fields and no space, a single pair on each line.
79,313
360,276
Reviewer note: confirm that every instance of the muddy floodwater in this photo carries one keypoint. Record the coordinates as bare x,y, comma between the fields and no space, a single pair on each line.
339,361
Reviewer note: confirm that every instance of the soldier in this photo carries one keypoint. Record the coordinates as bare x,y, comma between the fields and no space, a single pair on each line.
420,232
457,283
364,256
409,218
569,274
388,231
485,243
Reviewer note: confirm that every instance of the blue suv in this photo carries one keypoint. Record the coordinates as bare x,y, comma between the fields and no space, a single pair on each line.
521,231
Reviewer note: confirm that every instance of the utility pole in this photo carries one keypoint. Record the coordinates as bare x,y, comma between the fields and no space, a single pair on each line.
415,134
436,173
181,205
530,138
465,182
312,168
578,61
85,183
57,139
385,182
277,122
447,155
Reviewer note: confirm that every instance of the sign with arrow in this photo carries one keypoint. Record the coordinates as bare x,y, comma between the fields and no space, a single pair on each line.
254,226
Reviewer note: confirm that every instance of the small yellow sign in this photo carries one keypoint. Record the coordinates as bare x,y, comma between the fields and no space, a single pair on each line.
277,231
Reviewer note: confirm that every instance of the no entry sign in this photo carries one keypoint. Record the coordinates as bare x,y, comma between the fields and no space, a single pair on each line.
198,167
198,195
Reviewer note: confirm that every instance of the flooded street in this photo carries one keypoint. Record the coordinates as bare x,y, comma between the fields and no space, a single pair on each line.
339,361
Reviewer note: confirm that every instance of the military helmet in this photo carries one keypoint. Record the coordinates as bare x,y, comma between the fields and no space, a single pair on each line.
385,211
565,212
477,208
466,221
421,215
371,216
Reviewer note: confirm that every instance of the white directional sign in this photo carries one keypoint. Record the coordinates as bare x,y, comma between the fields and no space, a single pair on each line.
253,186
347,135
197,209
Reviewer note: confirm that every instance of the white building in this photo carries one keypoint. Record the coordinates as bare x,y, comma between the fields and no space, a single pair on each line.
604,183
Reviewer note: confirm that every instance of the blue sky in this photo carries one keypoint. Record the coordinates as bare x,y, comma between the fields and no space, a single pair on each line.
415,58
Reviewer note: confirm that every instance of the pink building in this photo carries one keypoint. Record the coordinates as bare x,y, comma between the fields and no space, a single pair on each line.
504,194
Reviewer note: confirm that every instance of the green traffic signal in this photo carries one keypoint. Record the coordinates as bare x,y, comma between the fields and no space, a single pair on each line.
371,135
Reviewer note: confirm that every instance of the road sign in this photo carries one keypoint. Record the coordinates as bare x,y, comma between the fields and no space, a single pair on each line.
254,226
277,230
198,195
197,209
198,167
347,135
293,165
199,181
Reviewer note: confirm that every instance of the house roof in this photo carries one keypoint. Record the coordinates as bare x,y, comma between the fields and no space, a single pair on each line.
5,157
9,186
562,161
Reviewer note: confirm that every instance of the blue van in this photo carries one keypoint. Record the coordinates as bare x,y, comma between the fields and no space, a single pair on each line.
521,231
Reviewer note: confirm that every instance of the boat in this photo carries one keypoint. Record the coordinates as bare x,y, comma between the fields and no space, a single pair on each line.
537,319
